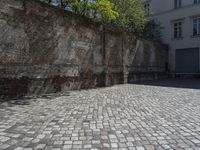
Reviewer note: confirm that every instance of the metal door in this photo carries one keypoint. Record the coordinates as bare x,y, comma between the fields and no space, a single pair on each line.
187,60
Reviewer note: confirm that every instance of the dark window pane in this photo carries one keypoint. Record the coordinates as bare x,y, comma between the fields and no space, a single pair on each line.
195,29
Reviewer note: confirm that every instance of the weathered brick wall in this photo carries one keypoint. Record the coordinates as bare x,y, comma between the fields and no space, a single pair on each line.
144,60
44,49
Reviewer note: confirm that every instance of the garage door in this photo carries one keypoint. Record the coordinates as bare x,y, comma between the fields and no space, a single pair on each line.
187,60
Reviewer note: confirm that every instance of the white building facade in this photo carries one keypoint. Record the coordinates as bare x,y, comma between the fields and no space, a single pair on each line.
180,23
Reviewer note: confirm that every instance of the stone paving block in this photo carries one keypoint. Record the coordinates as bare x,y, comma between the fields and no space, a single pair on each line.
40,146
131,116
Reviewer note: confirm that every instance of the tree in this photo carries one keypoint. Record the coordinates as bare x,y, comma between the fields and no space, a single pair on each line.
100,10
103,11
131,16
152,31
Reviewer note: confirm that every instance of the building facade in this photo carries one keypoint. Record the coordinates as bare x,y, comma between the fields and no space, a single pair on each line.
180,29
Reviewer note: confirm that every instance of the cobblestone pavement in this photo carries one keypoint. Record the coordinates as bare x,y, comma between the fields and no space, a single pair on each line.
121,117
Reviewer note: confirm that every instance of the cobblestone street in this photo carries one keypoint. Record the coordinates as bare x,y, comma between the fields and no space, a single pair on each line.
157,115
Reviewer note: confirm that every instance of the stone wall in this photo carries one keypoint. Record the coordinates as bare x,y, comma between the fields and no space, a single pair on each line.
44,49
145,60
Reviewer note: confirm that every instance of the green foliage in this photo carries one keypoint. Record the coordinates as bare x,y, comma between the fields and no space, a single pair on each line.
151,31
100,10
103,11
131,16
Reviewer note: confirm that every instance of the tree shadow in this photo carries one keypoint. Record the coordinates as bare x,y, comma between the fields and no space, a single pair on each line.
189,83
26,100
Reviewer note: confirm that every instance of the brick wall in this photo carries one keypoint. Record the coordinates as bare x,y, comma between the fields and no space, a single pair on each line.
44,49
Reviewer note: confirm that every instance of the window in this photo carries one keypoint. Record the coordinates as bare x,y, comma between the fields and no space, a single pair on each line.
177,4
196,26
196,1
178,30
147,8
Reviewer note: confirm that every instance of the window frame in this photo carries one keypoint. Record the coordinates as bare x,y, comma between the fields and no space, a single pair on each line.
197,24
177,4
147,8
177,29
196,1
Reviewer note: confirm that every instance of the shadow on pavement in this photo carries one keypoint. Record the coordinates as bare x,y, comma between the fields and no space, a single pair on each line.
26,100
176,83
